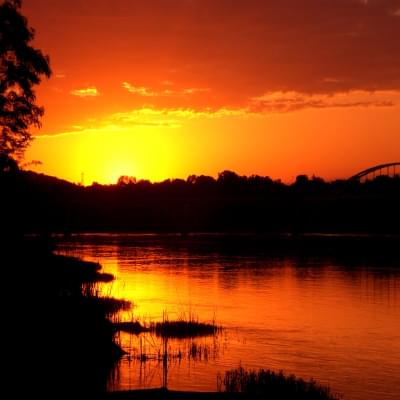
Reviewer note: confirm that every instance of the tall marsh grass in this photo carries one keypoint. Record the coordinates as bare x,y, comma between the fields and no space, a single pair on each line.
273,385
184,327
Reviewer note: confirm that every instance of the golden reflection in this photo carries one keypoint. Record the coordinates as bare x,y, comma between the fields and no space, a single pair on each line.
280,314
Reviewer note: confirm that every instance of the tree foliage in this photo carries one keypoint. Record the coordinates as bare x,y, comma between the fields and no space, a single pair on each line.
21,68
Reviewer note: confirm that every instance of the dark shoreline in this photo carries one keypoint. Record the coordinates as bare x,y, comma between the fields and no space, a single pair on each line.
375,248
162,393
231,203
58,325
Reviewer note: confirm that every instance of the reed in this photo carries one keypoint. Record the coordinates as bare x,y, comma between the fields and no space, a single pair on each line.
184,327
134,327
275,385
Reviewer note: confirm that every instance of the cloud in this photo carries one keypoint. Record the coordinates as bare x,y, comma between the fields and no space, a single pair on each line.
147,92
238,49
279,102
169,117
260,106
147,116
87,92
256,107
140,90
246,48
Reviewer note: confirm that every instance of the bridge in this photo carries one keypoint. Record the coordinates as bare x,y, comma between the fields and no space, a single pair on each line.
390,169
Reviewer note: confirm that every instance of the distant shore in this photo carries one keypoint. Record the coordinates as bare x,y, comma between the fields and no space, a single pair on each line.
353,245
230,203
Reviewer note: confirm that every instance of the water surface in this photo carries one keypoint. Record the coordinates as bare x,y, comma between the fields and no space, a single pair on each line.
335,321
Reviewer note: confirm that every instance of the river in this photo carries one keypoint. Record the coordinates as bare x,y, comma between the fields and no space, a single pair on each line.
334,320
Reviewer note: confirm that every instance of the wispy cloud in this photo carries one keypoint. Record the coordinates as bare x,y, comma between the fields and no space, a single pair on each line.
140,90
147,117
173,117
87,92
148,92
276,102
260,106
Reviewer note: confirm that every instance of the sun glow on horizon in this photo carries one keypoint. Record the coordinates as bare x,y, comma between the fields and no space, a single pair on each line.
157,144
162,94
105,154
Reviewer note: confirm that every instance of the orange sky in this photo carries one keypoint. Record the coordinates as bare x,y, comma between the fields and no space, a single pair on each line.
168,88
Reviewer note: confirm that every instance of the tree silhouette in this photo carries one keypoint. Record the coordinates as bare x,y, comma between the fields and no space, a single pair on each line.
21,68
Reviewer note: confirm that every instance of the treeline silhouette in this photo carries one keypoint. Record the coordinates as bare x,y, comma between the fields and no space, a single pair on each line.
230,203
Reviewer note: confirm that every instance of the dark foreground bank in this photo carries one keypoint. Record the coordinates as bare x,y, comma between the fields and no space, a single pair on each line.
164,394
158,394
63,343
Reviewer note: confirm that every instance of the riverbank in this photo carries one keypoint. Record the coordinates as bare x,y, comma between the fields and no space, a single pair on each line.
57,321
158,394
165,394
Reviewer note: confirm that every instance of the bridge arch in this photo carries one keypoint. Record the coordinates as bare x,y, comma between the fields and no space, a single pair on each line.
389,169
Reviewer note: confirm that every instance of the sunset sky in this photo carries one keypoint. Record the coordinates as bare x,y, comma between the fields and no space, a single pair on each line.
162,89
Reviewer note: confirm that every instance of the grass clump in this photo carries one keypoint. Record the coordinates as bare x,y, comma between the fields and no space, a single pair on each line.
273,385
183,329
134,327
188,327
